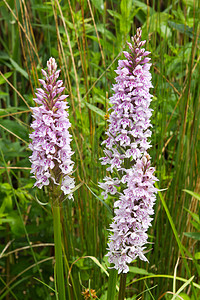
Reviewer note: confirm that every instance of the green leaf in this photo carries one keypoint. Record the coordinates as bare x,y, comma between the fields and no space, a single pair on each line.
9,110
10,149
197,255
193,194
3,94
109,35
140,271
95,109
144,7
126,6
15,223
3,215
98,4
6,75
95,260
15,128
8,203
114,13
182,28
5,187
195,224
158,22
184,296
128,12
193,235
42,8
183,287
195,216
18,68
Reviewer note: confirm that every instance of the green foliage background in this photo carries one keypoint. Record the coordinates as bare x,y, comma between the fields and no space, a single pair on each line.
87,38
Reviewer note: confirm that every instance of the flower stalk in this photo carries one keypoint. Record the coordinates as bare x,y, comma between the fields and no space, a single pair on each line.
122,286
60,279
112,281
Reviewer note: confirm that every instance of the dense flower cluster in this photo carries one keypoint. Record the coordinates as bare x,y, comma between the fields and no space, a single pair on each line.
127,158
51,157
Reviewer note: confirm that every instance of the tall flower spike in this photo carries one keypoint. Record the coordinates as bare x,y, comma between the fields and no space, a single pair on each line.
126,157
51,157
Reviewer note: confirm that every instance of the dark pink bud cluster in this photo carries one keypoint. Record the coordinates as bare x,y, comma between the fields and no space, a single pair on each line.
126,156
51,157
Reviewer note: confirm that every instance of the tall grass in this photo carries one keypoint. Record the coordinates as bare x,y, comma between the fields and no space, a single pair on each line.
87,38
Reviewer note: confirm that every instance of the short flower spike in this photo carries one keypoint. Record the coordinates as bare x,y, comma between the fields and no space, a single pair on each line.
51,157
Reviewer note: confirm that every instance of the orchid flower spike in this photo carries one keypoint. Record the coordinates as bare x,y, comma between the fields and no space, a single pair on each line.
131,180
51,157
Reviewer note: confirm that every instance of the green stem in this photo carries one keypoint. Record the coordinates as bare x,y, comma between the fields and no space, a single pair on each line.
112,284
58,253
122,286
